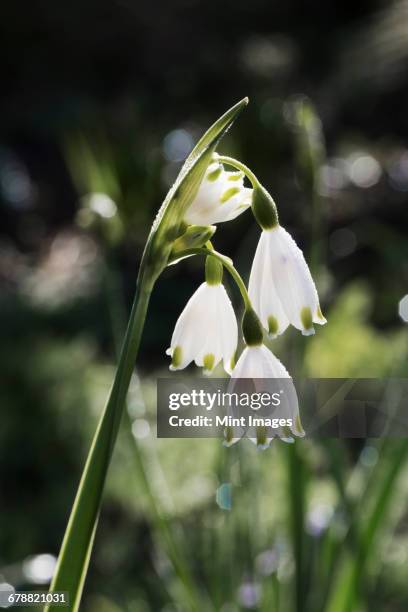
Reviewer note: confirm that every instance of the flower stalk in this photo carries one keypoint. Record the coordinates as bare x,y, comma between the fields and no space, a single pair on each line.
168,226
228,265
79,536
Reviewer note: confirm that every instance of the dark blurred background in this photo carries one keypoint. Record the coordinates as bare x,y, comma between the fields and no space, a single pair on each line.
101,102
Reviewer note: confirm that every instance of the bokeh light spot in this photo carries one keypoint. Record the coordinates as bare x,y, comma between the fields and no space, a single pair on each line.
365,171
6,589
249,594
177,145
318,519
267,562
369,456
223,496
39,569
333,176
398,173
140,428
403,308
102,204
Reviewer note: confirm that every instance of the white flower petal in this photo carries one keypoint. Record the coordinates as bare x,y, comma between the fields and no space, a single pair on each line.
228,328
210,347
206,330
187,337
262,291
257,363
293,281
220,197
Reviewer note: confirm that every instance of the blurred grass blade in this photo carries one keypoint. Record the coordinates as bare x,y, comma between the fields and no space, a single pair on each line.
76,548
347,586
296,494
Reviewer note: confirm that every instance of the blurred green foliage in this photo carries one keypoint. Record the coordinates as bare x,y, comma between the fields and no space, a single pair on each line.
320,525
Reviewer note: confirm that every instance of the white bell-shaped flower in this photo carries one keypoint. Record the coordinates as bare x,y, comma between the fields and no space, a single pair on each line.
260,364
206,331
281,287
220,197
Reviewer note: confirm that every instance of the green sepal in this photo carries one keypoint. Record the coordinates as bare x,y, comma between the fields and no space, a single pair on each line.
252,328
264,208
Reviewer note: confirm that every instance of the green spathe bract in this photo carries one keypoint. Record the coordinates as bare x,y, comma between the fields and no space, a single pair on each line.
194,236
76,548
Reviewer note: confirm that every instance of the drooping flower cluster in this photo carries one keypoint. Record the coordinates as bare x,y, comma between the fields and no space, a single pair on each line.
281,291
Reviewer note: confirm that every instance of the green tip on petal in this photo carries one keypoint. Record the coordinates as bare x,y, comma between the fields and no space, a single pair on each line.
227,195
272,326
232,363
228,436
214,174
307,321
298,425
176,357
287,437
208,362
236,176
261,437
320,315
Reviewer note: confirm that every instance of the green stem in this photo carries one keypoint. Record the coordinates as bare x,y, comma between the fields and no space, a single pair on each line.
230,161
160,521
296,490
79,535
227,265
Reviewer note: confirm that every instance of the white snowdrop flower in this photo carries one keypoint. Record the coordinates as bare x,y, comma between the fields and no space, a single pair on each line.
220,197
206,331
258,363
281,286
